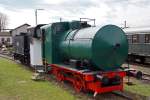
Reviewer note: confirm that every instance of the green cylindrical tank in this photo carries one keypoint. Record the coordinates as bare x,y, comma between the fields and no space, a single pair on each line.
106,47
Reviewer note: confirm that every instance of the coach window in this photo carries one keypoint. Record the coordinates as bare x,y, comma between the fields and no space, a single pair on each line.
3,39
8,39
147,38
135,38
129,38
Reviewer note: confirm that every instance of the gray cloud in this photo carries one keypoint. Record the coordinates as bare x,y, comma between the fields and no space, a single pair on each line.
128,2
72,7
117,10
19,4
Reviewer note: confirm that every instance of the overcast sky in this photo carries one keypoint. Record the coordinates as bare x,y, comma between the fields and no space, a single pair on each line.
135,12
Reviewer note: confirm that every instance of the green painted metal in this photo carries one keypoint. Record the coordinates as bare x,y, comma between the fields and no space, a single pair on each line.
109,47
47,43
106,47
53,35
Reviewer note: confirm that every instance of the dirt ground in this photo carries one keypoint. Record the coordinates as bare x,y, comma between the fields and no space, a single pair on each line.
139,67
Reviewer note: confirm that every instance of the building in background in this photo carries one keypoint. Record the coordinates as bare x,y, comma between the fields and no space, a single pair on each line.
18,30
5,38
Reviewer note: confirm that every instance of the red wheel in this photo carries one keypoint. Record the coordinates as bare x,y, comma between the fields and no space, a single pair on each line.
78,84
60,76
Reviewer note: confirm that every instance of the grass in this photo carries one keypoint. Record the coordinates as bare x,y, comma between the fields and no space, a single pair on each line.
138,88
16,84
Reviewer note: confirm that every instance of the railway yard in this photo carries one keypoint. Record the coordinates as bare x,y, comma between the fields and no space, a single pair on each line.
30,71
67,64
74,50
138,90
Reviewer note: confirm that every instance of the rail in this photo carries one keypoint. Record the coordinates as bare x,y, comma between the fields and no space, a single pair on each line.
120,94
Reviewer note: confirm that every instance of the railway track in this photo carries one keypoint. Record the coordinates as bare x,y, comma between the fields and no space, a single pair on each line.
146,77
122,95
115,93
6,56
140,64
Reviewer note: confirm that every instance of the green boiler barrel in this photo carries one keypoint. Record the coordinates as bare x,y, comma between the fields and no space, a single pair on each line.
106,47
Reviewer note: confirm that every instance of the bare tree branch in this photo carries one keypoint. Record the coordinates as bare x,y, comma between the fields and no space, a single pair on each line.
3,21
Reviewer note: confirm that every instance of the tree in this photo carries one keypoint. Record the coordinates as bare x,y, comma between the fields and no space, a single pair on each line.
3,21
